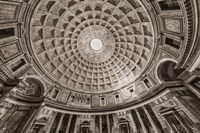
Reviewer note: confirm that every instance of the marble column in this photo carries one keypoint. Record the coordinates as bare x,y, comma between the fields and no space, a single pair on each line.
77,124
151,120
93,124
108,123
116,124
100,124
59,123
194,90
51,122
30,123
194,113
141,122
5,120
133,127
183,123
68,124
162,122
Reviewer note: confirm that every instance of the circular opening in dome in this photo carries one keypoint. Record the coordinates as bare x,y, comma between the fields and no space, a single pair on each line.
96,44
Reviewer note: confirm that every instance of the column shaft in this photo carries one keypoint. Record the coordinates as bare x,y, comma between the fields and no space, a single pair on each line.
51,122
30,123
183,123
108,123
133,124
68,124
59,123
116,124
192,89
100,124
93,124
151,120
161,120
141,122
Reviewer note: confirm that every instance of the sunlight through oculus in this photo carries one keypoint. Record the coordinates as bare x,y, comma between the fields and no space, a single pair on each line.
96,45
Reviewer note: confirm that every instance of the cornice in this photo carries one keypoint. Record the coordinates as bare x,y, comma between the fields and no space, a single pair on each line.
161,90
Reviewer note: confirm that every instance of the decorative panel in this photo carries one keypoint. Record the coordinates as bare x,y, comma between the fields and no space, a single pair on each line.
10,50
95,100
140,89
63,96
9,11
110,99
173,25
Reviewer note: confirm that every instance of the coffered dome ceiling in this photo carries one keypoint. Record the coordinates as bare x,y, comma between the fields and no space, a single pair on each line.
92,45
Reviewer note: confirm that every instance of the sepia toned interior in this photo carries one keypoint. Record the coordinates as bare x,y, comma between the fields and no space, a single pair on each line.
99,66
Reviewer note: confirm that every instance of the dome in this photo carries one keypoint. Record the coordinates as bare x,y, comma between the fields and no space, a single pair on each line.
99,66
62,34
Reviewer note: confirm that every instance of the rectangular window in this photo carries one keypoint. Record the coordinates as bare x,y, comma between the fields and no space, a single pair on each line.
8,32
55,94
117,98
147,83
103,102
169,5
172,43
17,65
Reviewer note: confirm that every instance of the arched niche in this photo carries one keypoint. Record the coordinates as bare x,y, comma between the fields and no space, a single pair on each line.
166,71
35,79
29,90
34,88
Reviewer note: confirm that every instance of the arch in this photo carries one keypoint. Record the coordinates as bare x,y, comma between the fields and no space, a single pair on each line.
39,79
164,59
30,88
34,87
166,71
